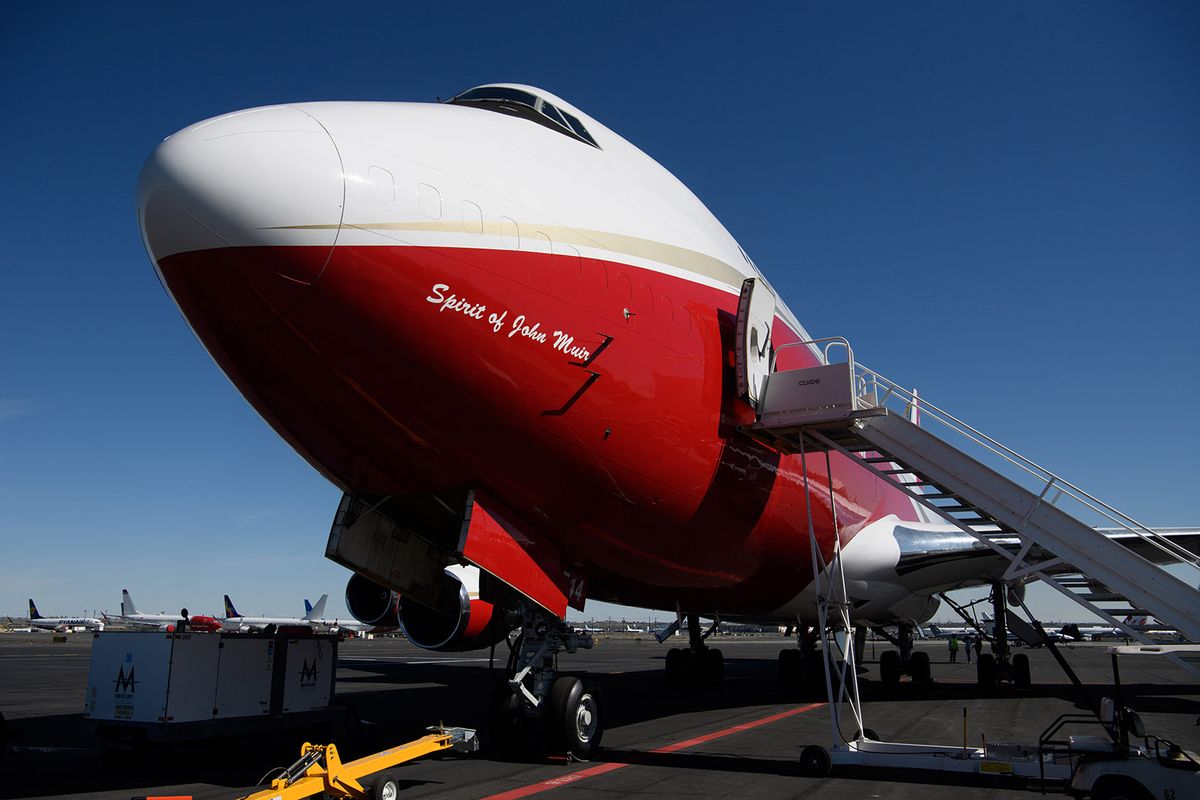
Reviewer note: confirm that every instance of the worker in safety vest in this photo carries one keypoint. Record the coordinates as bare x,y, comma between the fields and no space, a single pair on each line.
953,649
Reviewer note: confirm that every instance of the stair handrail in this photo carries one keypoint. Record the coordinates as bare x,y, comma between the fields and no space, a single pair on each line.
830,342
869,378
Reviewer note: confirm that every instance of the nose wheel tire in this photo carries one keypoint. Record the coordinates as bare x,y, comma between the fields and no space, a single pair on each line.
574,722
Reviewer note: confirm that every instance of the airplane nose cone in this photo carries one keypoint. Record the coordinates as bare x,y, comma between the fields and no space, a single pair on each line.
251,196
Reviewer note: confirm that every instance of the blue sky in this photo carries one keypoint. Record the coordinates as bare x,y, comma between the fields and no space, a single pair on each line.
999,204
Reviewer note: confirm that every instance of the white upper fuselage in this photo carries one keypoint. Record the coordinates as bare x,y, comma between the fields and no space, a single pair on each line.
360,173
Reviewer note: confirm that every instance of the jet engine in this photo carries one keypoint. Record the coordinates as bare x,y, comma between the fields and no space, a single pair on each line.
460,622
370,603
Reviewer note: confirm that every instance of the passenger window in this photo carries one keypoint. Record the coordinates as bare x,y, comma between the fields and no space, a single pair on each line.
648,294
567,258
383,187
625,287
510,234
472,217
429,200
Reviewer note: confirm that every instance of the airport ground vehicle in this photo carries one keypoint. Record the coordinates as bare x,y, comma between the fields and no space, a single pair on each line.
320,770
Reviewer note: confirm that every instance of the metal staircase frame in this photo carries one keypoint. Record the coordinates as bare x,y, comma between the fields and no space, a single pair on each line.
1024,523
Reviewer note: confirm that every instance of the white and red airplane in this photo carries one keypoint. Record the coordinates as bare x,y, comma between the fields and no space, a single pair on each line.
163,621
510,332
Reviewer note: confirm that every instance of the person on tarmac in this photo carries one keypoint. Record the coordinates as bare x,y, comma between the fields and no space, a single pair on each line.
953,644
967,647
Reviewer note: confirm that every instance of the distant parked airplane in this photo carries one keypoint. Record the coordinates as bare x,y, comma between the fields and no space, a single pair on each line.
239,622
62,624
161,620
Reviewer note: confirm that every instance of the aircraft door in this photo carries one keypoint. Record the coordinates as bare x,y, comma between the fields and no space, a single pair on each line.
756,313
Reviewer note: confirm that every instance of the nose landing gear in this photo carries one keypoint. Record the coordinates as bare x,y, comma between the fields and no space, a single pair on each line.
539,712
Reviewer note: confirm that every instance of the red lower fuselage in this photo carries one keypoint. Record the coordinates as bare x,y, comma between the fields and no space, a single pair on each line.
408,370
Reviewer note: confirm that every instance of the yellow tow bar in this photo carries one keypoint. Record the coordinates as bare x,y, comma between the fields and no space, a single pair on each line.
320,769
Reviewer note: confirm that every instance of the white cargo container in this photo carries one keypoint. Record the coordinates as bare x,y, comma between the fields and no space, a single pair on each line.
187,685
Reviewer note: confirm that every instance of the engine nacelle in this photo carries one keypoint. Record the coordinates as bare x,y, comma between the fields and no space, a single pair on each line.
461,623
370,603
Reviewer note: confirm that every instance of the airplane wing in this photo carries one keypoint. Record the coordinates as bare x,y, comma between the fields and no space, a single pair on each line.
1187,538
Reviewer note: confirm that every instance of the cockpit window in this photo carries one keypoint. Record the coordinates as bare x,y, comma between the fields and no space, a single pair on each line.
528,106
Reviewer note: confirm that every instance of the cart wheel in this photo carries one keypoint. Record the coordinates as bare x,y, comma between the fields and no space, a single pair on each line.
573,717
815,762
1021,676
918,667
889,667
385,786
1119,787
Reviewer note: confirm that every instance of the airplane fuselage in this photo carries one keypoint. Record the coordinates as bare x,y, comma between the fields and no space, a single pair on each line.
420,297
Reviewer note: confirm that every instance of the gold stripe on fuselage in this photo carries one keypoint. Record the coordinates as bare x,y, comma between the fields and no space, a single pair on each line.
673,256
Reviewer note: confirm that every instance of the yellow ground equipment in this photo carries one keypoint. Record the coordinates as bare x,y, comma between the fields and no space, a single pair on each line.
320,769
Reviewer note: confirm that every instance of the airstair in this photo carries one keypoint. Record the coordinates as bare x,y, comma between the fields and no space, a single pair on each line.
1109,563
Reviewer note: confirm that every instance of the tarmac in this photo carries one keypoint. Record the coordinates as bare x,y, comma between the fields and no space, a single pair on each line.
740,737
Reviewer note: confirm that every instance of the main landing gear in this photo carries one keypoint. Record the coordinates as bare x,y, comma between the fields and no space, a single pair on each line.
539,712
803,668
1001,665
903,661
697,660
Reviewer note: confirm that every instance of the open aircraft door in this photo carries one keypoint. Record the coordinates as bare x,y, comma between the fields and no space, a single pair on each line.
756,313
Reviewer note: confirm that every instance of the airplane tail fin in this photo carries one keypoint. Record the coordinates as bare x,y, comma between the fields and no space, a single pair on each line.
230,611
127,606
33,612
318,610
307,608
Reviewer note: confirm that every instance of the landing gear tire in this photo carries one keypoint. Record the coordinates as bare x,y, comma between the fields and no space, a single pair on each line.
790,667
919,669
573,717
1020,671
514,733
889,667
712,665
815,761
867,733
674,666
385,786
985,672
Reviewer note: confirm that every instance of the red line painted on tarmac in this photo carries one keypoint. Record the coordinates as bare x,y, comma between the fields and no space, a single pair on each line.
601,769
745,726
